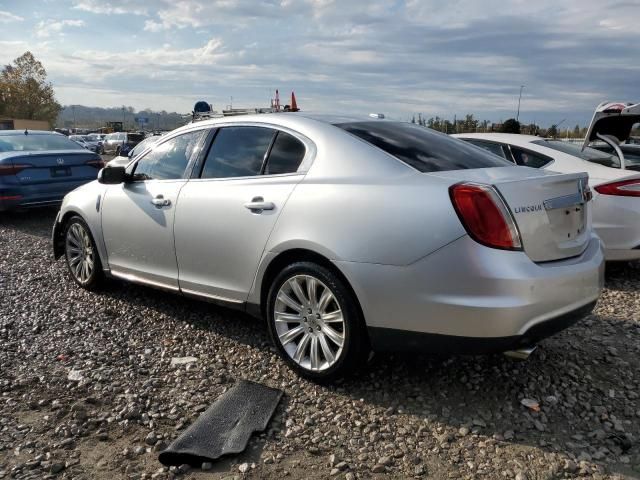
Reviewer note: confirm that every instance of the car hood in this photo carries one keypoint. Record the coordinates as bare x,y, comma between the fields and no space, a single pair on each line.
613,118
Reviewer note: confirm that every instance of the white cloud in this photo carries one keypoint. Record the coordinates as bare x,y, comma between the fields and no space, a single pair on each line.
114,7
356,56
152,26
45,28
7,17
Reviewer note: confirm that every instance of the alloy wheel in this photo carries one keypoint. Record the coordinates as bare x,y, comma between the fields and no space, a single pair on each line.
309,322
80,253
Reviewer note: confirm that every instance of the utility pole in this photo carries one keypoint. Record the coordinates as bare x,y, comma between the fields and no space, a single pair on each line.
519,98
73,109
123,118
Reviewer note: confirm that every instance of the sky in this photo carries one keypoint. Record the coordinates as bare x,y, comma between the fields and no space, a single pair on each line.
398,57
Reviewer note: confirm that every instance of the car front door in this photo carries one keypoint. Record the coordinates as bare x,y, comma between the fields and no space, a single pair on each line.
138,215
225,215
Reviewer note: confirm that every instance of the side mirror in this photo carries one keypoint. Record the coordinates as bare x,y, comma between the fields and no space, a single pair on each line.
112,175
130,154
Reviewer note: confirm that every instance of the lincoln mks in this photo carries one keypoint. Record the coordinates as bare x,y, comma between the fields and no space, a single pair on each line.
346,235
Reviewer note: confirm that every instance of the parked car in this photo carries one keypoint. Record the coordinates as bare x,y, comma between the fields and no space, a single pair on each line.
610,132
616,208
631,153
123,160
345,235
85,142
97,138
121,142
39,168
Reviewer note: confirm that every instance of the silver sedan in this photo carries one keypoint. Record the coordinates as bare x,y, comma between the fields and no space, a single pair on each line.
346,235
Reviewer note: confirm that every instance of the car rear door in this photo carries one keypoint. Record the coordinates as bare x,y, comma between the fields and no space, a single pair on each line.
138,216
226,214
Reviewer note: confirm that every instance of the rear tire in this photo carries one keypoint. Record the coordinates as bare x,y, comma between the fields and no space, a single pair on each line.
315,322
81,254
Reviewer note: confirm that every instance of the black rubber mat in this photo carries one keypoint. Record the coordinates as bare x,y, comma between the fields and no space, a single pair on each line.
226,426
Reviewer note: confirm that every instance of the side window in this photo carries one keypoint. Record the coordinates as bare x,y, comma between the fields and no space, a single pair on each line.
529,159
494,148
286,155
237,152
169,160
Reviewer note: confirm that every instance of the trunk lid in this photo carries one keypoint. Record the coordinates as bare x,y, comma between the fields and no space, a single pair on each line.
59,166
614,119
550,209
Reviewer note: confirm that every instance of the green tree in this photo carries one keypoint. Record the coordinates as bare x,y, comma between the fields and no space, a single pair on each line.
510,125
552,132
576,131
25,92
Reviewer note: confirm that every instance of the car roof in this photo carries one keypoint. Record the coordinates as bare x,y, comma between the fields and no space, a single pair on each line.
291,117
30,132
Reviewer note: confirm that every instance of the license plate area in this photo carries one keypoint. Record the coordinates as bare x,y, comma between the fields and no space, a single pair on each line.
567,223
60,172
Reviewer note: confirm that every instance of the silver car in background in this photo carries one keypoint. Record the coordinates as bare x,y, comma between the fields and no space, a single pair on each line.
346,235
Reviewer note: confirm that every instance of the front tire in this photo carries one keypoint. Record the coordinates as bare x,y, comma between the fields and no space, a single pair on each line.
315,322
81,254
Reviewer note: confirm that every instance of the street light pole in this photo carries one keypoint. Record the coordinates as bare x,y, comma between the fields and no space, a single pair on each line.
519,98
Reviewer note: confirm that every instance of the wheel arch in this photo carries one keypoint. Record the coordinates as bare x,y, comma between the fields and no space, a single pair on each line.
293,255
58,234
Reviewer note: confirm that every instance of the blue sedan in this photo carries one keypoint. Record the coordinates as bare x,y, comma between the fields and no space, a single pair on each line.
38,168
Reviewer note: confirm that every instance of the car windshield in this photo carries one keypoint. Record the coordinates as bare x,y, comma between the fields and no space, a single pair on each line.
36,142
422,148
588,154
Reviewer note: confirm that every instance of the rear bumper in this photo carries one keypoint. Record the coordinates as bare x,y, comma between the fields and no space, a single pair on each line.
622,255
31,196
617,222
389,339
470,291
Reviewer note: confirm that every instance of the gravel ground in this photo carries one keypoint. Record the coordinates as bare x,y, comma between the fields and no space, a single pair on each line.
88,392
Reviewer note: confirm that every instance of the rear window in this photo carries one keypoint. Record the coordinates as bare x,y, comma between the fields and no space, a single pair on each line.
588,154
36,143
422,148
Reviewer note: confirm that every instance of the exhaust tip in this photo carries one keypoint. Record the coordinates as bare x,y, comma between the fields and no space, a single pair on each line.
520,354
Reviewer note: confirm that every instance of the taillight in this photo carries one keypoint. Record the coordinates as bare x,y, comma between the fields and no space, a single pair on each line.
96,163
624,188
485,216
12,169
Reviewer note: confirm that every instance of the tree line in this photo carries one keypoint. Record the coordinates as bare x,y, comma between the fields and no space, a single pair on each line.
470,124
80,116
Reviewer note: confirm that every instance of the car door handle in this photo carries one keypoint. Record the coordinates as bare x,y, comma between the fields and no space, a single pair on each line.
159,201
257,205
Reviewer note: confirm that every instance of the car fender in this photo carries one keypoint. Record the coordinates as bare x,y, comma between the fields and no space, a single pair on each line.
85,201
